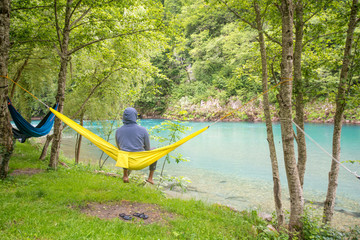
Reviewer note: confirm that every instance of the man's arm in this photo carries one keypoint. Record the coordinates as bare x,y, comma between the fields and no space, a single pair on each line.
116,140
147,141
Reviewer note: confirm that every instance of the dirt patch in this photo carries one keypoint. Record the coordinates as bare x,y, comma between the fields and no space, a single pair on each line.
112,210
26,171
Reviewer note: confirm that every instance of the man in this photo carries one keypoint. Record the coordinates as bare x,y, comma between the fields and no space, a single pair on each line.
133,138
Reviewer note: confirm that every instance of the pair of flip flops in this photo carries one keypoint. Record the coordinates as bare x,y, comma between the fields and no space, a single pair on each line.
141,215
125,217
128,217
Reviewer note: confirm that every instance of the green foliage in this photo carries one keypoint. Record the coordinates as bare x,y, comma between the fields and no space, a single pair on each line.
313,228
116,39
351,161
220,54
195,92
171,182
152,54
167,133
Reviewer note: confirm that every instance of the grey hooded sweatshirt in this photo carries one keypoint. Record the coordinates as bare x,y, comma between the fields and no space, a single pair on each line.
131,137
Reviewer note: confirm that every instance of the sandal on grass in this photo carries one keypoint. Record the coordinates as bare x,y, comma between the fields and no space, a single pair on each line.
124,216
141,215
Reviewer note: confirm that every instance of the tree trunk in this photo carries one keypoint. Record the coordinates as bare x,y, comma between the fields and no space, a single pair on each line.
78,140
269,129
295,190
45,148
18,75
60,97
298,85
340,106
23,107
6,139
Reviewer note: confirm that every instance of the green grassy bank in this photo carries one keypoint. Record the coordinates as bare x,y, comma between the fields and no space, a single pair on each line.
50,204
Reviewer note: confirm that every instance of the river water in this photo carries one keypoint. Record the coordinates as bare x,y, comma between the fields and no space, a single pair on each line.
230,165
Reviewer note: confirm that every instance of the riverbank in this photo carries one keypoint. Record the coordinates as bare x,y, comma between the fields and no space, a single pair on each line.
77,202
237,172
212,110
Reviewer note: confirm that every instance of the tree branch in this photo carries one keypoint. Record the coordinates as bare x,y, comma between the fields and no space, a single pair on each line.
278,7
93,22
316,12
273,71
317,37
237,14
58,50
296,137
76,6
106,38
83,23
33,40
264,13
57,25
82,15
272,39
28,8
93,91
249,23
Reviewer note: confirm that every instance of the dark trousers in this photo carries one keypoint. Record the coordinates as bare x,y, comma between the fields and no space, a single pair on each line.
152,167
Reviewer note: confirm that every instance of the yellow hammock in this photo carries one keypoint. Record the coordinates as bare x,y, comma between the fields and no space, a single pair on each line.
130,160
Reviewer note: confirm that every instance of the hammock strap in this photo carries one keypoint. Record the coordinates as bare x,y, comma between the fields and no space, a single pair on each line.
322,149
26,90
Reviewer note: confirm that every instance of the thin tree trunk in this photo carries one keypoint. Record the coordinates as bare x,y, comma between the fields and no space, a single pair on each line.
269,129
295,190
338,118
18,75
298,90
60,97
48,141
78,140
45,148
6,139
23,108
55,147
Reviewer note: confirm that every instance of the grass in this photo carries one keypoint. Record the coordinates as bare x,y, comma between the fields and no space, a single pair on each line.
47,206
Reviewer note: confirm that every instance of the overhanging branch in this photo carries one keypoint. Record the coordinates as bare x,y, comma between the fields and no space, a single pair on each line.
76,6
57,25
81,17
317,37
29,8
237,14
107,38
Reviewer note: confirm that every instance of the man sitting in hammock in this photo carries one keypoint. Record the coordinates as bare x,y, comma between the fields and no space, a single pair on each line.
133,138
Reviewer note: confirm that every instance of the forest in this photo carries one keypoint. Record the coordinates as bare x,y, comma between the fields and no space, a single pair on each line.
287,61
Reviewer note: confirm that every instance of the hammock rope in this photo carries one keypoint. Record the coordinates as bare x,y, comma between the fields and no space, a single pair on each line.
26,91
322,149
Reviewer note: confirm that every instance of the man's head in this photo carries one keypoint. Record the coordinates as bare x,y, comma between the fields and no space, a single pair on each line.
130,115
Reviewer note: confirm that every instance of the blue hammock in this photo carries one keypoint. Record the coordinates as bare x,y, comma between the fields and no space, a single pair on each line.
25,130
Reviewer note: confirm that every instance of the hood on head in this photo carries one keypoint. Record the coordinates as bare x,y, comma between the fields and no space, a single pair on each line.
130,115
